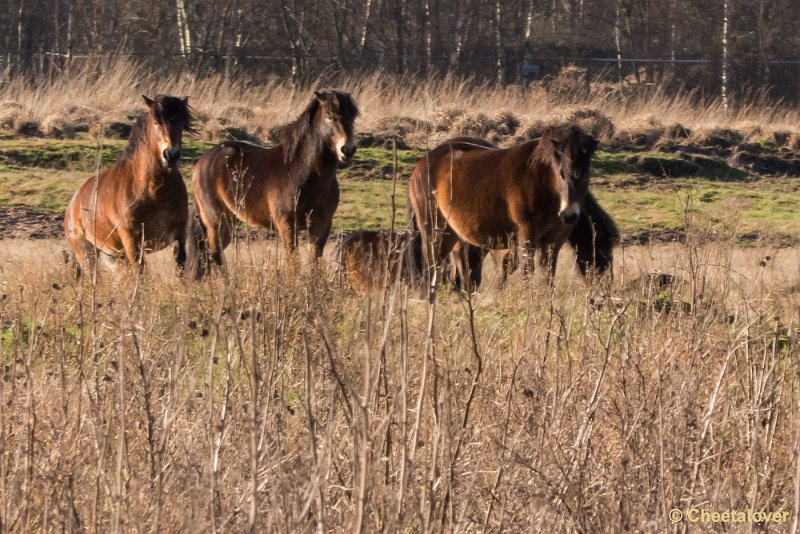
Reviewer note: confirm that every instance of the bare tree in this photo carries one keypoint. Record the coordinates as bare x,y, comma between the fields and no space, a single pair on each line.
724,77
183,29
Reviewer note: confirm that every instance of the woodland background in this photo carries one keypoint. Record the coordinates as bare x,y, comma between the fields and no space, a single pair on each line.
714,47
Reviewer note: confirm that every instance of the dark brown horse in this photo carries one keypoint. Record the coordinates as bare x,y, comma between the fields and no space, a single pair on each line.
142,199
291,186
533,193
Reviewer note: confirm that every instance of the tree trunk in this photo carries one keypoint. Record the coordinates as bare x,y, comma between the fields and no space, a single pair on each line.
529,22
183,29
724,77
498,41
367,12
400,45
672,38
20,24
763,33
458,43
617,42
426,13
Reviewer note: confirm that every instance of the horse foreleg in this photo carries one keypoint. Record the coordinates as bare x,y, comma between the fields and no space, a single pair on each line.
285,225
549,259
318,232
131,244
180,253
527,249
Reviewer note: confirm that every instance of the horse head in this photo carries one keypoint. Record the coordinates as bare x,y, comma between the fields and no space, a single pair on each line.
338,113
169,118
566,152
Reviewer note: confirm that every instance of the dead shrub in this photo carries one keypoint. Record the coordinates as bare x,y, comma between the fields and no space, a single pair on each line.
443,119
472,124
593,121
506,123
720,138
26,127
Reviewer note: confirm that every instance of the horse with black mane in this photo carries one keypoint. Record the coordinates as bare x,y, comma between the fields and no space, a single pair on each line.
141,203
290,186
534,195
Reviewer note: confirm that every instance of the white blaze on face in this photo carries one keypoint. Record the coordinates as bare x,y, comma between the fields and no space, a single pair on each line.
163,143
341,141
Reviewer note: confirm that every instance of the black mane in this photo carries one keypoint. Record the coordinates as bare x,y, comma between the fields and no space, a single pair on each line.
301,141
166,110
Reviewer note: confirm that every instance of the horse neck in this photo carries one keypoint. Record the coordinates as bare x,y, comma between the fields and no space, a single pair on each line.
312,154
544,176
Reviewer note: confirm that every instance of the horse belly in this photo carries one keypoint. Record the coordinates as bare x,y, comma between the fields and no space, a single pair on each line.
98,229
482,224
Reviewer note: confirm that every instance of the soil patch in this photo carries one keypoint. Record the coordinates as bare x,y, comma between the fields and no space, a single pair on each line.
26,223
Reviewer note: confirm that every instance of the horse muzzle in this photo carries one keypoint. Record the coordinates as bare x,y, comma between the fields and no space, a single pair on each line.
172,155
571,214
347,151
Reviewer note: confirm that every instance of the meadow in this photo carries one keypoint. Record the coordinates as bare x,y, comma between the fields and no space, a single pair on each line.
272,398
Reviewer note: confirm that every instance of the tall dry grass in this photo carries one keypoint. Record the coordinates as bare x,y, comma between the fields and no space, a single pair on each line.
274,399
108,89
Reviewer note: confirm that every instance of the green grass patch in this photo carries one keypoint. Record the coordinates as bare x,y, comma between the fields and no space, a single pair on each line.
42,174
367,204
80,155
765,205
378,163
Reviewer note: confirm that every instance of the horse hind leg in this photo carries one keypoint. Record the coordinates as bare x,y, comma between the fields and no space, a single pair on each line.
217,227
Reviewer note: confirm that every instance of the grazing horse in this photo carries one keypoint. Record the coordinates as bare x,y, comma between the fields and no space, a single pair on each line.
370,259
291,186
141,203
366,257
535,192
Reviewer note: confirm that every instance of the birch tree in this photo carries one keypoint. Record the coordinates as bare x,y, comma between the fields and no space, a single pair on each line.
185,35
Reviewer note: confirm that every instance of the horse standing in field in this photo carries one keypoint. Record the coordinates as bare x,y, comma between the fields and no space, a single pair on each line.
291,186
534,193
141,203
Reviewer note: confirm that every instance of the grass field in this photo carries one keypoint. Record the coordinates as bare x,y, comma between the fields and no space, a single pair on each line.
272,398
43,174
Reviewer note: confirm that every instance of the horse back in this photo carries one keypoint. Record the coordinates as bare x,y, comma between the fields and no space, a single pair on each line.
243,177
476,189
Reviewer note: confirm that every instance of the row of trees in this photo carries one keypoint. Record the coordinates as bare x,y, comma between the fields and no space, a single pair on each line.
739,43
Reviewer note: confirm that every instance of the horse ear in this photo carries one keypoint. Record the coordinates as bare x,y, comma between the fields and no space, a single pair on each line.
148,101
320,96
185,100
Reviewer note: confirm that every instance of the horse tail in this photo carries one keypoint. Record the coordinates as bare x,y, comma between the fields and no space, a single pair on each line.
197,258
414,257
594,237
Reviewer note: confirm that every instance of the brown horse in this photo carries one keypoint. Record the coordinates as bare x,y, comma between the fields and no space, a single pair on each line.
291,186
533,192
366,257
370,259
141,203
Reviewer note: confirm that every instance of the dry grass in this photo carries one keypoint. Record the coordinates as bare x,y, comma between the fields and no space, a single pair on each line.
275,399
106,91
278,400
